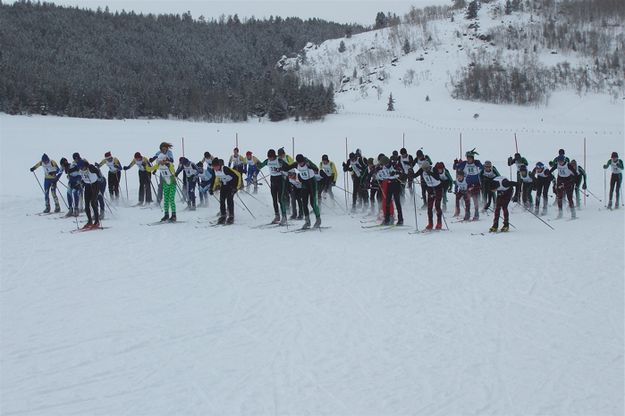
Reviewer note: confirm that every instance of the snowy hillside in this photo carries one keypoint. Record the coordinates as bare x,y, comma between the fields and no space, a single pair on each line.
189,319
419,63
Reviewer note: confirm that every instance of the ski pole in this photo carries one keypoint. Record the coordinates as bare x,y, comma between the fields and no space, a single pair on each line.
248,193
605,186
61,195
540,219
414,203
126,180
445,221
587,193
343,189
248,210
38,182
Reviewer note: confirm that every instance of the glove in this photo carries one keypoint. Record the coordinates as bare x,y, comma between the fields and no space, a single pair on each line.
584,187
152,159
32,169
510,161
333,183
125,167
456,161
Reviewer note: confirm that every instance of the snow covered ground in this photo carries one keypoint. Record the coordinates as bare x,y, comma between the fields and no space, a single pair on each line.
137,320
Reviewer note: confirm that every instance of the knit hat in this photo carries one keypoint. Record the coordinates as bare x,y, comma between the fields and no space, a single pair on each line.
184,161
472,153
76,155
207,155
235,150
325,157
614,154
488,164
45,158
138,155
426,165
403,151
281,151
439,166
216,162
300,158
248,153
271,153
419,153
107,155
561,152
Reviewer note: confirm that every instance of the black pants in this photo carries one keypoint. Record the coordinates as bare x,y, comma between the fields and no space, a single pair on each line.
435,195
393,193
355,189
226,197
91,201
488,195
297,202
517,188
309,192
542,191
615,183
375,194
526,193
565,186
424,190
463,195
145,187
114,179
325,185
278,189
503,199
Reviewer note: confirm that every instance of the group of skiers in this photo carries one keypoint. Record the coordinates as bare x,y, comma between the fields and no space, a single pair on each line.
298,183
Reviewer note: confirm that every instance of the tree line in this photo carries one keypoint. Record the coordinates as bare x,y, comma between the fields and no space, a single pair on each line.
97,64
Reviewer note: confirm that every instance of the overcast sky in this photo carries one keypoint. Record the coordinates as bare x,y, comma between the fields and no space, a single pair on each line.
344,11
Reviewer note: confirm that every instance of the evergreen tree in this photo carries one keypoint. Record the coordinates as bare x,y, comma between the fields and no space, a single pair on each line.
380,20
342,47
406,48
391,103
472,9
508,7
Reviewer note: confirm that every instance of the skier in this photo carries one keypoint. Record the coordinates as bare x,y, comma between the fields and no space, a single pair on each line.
308,173
328,175
420,159
289,187
387,173
504,190
74,188
358,170
486,176
165,167
542,179
75,179
526,187
205,175
297,195
447,182
432,180
228,181
374,186
52,173
91,179
251,171
461,189
472,169
567,177
519,161
191,173
278,186
554,162
145,178
616,178
208,159
407,162
114,175
581,177
237,162
163,148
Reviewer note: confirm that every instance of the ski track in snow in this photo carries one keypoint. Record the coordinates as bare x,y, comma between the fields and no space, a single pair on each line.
233,320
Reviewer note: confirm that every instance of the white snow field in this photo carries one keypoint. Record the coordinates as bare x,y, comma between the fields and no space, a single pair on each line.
176,319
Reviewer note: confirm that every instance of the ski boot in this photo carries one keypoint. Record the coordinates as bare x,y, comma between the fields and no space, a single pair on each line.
439,226
306,223
70,213
467,217
505,228
276,219
493,229
102,214
192,207
76,212
57,209
609,204
165,217
559,215
293,217
429,226
47,210
173,217
536,209
317,223
400,222
300,217
283,220
221,220
476,217
87,226
230,220
457,213
573,213
95,225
